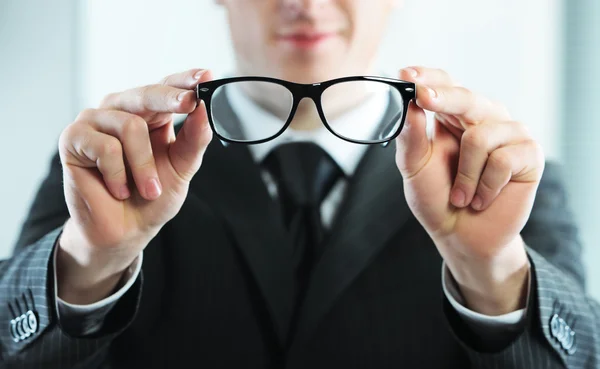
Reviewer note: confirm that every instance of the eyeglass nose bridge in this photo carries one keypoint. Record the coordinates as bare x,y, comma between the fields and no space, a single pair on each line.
311,91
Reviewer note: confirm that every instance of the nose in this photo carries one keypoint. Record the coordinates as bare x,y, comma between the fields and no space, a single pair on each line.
299,7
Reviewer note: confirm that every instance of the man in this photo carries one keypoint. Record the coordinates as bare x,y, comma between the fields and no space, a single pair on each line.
155,245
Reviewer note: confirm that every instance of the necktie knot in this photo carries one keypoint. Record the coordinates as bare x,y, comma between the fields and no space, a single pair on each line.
305,173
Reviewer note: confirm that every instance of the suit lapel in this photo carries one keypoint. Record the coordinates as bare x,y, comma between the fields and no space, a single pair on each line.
231,183
375,208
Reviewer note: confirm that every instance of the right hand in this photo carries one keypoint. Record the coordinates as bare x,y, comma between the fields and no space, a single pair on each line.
125,175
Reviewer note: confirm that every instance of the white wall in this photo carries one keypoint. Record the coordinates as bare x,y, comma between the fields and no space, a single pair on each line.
37,87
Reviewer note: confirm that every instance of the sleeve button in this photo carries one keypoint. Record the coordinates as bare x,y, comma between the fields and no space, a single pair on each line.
32,321
13,331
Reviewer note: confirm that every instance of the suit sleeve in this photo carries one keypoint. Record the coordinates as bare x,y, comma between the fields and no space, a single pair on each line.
562,326
31,333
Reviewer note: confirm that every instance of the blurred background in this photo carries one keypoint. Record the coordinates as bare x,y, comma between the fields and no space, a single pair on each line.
538,57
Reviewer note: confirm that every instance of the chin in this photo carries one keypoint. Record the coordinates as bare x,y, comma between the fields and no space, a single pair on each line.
309,72
310,65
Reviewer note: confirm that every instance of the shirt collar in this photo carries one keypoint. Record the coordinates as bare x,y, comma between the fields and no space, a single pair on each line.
361,121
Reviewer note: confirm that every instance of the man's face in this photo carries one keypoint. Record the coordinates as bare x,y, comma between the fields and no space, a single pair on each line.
306,41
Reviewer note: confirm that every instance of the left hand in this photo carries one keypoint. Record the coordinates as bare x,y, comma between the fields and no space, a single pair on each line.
471,186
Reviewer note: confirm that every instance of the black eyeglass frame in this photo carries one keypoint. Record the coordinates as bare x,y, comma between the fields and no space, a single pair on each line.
205,91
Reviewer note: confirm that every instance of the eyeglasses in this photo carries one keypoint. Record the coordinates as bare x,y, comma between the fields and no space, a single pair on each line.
281,99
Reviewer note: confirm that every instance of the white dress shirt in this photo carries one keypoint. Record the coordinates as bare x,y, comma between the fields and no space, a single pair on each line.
363,120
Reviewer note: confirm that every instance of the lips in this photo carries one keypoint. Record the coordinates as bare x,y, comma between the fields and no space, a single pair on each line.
305,39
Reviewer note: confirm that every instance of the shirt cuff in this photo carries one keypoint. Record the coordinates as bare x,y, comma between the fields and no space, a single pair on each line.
101,308
483,325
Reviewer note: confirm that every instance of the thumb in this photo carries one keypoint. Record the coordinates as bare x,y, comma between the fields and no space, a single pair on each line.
413,145
187,151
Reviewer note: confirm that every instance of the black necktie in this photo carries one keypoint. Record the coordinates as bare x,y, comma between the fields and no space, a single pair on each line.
305,174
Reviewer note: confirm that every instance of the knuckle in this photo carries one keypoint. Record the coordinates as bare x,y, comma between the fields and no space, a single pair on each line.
70,131
143,89
501,108
518,124
538,150
146,163
172,94
166,80
142,93
117,175
537,146
85,115
475,138
146,90
70,134
65,138
111,147
522,129
106,100
133,126
467,179
487,105
500,159
485,188
443,73
469,96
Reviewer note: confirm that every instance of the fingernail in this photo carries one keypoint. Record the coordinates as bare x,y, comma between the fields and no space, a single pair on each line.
412,72
458,197
153,188
181,96
432,93
199,74
124,191
477,203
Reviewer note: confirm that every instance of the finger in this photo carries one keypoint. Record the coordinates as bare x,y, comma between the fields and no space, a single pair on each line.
523,162
186,80
132,131
88,148
163,98
475,146
412,145
426,76
469,107
187,151
149,100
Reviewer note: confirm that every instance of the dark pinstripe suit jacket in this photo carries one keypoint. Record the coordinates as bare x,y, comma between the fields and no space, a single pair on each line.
216,286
